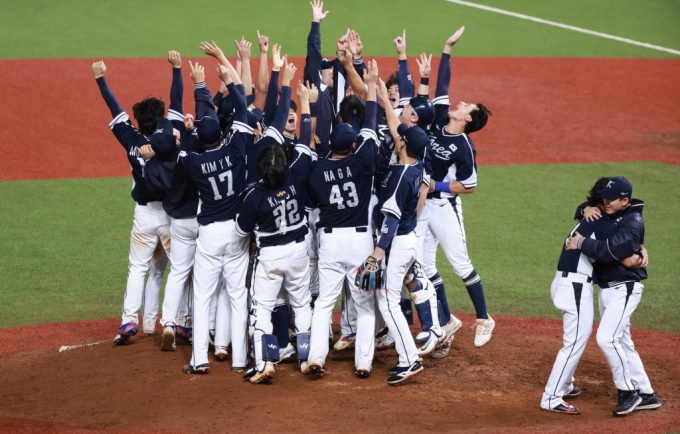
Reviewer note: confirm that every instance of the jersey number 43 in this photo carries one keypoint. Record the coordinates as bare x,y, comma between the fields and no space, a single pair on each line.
341,202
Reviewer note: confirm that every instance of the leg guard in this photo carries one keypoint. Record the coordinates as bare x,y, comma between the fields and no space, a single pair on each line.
303,346
424,297
407,310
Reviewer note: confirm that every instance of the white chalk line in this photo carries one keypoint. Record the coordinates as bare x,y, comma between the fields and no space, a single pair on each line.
565,26
73,347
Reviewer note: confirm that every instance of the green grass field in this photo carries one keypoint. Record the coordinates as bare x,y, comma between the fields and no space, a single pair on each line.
65,256
126,28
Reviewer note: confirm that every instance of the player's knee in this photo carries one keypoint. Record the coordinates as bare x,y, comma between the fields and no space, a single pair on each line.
604,338
464,271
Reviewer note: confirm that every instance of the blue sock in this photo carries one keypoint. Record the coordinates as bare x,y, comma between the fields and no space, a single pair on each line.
438,283
473,283
280,321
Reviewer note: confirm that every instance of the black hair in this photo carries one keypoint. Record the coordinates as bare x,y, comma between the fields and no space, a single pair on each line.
272,166
392,80
293,106
411,154
343,152
352,108
226,119
479,118
289,150
147,112
594,198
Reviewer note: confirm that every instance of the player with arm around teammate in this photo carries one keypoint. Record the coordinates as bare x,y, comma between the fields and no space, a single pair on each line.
220,176
572,293
620,293
274,209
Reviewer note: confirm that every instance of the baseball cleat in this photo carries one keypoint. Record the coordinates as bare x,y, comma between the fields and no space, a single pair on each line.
124,332
221,353
185,333
431,344
564,408
443,350
285,353
211,338
317,369
452,326
149,327
241,368
266,374
384,340
649,402
363,373
628,400
345,341
483,328
405,372
168,338
249,373
393,370
200,369
304,367
574,392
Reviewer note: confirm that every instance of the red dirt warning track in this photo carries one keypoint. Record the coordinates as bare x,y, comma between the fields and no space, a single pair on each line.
495,388
546,110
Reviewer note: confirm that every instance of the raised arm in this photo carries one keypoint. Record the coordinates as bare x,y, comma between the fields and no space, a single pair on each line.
314,57
273,91
404,75
214,51
177,88
444,74
355,80
305,114
392,118
313,99
282,108
244,51
424,67
204,103
98,69
371,76
239,101
262,80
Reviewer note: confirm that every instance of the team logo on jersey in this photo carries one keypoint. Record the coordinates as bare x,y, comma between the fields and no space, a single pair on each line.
280,193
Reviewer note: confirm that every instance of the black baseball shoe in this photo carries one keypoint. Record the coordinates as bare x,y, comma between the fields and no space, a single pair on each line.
403,373
649,402
317,369
200,369
628,400
574,392
393,370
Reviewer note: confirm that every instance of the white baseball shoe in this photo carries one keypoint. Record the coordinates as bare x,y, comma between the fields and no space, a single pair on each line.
149,327
443,350
284,353
345,341
452,326
433,341
221,353
266,374
384,342
483,328
304,367
168,338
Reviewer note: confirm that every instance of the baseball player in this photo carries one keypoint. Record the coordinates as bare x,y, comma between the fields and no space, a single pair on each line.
274,209
620,294
341,188
572,294
454,173
150,222
219,174
180,202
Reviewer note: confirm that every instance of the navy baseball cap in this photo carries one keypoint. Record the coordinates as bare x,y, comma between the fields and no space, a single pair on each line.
208,130
254,116
424,109
342,137
162,140
415,139
616,188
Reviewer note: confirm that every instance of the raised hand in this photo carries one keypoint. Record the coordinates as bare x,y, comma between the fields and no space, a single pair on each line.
302,92
455,37
224,74
212,49
197,72
400,43
343,42
189,122
288,73
355,44
263,42
381,89
313,92
345,58
317,11
424,65
243,49
98,69
277,61
174,59
371,76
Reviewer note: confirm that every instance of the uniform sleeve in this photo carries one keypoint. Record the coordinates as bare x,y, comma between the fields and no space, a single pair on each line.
441,96
578,215
303,159
176,91
313,60
427,165
466,173
619,246
121,127
245,220
186,145
396,192
270,100
281,116
405,83
305,130
367,142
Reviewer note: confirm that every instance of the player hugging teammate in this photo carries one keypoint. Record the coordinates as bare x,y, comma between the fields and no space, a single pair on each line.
339,209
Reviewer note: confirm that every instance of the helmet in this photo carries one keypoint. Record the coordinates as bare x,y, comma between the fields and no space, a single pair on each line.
424,108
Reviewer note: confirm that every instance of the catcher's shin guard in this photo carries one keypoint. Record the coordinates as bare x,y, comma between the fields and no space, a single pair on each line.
407,310
303,346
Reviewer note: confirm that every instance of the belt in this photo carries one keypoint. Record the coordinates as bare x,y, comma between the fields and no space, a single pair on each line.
566,274
358,229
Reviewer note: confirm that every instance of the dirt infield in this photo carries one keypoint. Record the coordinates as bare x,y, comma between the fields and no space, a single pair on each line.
546,110
496,388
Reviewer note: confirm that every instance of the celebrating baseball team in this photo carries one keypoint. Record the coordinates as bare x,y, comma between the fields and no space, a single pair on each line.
265,228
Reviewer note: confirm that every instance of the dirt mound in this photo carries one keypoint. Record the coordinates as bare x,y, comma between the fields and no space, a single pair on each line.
496,388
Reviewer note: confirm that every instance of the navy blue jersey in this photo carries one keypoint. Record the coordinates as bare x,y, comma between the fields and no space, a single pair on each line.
574,261
277,216
402,192
453,159
220,173
341,187
288,140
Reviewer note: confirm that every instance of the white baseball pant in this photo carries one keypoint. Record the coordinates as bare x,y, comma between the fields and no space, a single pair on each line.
183,233
402,256
617,304
152,289
341,253
220,312
348,317
313,251
220,252
572,295
446,227
150,224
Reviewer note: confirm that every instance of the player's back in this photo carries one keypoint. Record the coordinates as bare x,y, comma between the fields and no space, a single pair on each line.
402,188
573,261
